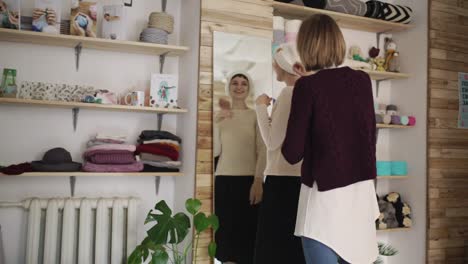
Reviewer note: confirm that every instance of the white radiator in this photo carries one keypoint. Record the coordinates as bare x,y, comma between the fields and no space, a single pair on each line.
79,230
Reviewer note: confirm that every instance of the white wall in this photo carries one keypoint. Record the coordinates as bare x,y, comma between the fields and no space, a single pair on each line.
411,97
187,124
27,132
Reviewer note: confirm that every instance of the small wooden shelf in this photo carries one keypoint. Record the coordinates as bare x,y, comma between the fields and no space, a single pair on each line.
394,229
60,104
392,126
96,174
292,11
30,37
392,177
382,76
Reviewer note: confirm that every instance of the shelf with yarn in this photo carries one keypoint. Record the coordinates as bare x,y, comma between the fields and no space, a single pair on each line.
394,229
384,75
96,174
392,177
292,11
71,105
30,37
392,126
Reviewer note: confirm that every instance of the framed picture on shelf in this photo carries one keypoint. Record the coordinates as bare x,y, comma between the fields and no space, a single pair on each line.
163,92
10,14
46,16
113,22
83,19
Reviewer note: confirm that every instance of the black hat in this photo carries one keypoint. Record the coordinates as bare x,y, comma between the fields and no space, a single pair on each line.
56,160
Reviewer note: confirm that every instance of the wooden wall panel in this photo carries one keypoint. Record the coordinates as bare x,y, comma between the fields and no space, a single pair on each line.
246,17
447,145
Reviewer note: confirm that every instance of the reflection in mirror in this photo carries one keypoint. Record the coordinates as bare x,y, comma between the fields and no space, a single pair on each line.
241,71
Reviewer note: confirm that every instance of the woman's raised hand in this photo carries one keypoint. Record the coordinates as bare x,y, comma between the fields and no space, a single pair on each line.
263,100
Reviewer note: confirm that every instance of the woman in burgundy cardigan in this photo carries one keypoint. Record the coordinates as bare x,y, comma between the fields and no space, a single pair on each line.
332,129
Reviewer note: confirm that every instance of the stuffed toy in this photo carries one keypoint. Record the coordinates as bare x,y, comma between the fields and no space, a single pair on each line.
380,63
394,65
373,53
355,54
390,50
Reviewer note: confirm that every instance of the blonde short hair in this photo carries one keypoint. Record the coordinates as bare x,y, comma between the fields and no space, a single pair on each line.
320,43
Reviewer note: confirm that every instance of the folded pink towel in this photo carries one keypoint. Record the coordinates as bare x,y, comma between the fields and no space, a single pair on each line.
89,153
92,167
127,147
116,158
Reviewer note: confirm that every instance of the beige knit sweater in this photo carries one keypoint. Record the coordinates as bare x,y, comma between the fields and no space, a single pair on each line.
239,145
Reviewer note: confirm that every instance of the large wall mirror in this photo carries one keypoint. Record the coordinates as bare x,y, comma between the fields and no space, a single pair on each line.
242,70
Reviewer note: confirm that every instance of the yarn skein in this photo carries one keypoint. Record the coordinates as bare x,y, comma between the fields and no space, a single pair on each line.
161,20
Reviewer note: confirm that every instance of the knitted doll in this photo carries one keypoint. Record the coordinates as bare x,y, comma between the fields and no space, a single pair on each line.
390,50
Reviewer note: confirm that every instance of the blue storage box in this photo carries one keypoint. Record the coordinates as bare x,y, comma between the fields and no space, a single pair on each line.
399,168
384,168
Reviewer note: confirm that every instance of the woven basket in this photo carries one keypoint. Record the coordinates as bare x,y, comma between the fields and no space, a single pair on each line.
161,20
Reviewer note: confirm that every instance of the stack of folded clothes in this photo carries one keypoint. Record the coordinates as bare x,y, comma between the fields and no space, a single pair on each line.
109,153
159,151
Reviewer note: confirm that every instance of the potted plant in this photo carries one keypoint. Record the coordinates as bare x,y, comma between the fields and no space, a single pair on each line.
161,245
386,251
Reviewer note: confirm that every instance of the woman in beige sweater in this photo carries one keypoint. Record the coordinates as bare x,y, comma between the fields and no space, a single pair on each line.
239,172
276,243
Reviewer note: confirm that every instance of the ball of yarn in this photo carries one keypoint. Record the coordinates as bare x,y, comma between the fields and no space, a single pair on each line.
154,35
404,120
412,121
82,21
395,120
161,20
379,119
387,119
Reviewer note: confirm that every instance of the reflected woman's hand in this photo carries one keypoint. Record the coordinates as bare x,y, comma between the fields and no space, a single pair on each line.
223,115
256,192
263,100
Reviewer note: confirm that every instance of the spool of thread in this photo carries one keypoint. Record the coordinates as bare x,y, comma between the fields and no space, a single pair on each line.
387,119
278,23
379,119
411,120
395,120
399,168
404,120
161,20
278,37
384,168
292,28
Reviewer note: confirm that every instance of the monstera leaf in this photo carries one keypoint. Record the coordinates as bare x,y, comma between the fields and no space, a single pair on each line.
169,229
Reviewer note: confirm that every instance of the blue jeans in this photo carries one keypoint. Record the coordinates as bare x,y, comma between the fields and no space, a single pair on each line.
317,253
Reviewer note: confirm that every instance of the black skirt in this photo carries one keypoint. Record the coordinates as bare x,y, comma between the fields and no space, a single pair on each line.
235,237
276,243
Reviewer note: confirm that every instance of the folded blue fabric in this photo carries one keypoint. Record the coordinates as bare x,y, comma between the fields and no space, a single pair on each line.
384,168
399,168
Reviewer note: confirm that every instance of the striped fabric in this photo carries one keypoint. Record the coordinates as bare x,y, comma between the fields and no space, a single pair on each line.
352,7
396,13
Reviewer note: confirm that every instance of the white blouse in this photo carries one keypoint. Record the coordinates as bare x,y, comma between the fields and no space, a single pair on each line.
273,133
342,219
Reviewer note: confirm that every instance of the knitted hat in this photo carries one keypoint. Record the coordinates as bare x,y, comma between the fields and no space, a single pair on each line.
286,56
229,78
